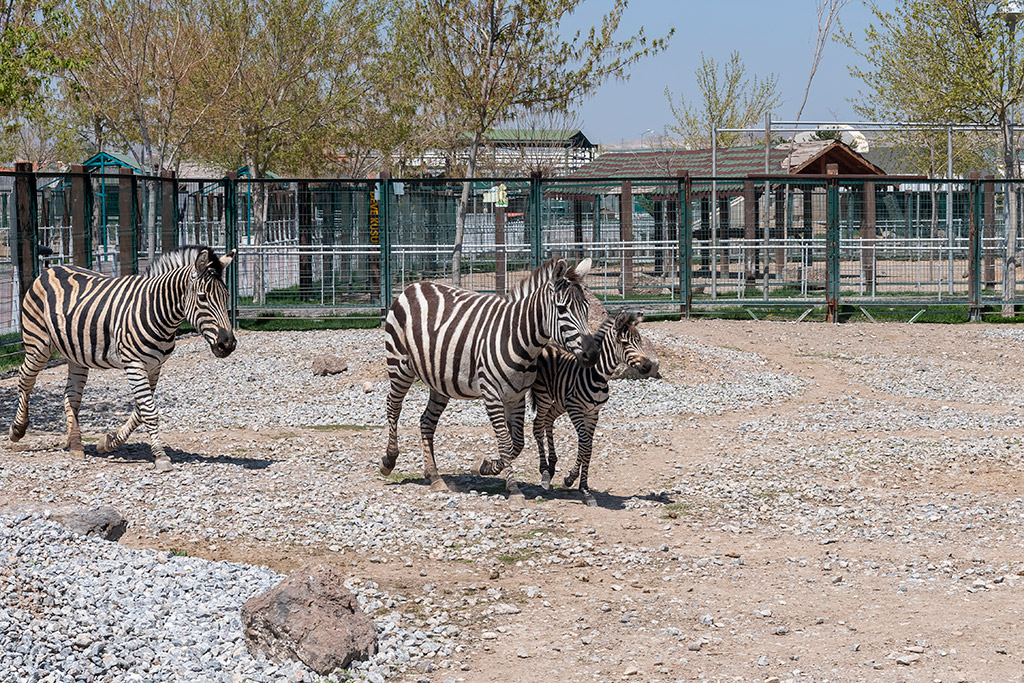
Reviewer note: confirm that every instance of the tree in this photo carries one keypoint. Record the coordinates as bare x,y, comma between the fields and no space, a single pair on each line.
28,61
951,61
729,99
300,73
136,69
828,15
487,59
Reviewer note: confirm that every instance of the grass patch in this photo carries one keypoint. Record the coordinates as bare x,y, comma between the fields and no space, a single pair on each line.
517,556
333,427
270,322
675,510
178,552
401,477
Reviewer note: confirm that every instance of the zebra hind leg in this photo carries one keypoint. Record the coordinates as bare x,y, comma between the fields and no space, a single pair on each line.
401,380
428,425
585,423
77,376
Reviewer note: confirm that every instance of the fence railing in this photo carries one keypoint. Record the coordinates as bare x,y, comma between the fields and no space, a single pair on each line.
319,248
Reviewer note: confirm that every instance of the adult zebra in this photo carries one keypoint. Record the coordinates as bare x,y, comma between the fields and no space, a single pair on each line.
98,321
564,386
462,344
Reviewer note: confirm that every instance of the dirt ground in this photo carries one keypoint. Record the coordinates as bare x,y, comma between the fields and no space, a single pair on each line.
866,528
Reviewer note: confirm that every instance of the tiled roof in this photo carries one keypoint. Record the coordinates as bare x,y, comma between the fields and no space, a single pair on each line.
732,162
647,163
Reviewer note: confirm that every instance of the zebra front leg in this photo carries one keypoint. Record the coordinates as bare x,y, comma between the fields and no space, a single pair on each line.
36,356
77,376
496,410
401,380
110,440
585,424
143,384
428,425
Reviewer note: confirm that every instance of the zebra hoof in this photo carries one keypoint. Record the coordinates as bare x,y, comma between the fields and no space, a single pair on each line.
384,469
569,481
15,433
77,453
589,500
439,486
104,443
162,464
545,481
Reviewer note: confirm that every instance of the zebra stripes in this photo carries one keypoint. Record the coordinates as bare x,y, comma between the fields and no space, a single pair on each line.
564,386
466,345
97,321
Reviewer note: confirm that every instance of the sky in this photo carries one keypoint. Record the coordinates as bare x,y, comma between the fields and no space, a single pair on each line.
771,37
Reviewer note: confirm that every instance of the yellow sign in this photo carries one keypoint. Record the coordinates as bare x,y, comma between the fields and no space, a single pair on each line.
374,220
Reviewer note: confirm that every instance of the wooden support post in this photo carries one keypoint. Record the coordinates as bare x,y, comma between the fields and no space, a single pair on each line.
779,231
25,224
867,235
626,234
305,210
832,274
499,247
127,251
988,231
168,211
658,211
749,232
81,218
577,227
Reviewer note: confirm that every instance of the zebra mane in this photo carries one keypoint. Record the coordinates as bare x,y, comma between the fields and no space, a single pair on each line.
183,256
540,276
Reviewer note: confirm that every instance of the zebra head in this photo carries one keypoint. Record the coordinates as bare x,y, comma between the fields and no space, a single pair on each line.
206,303
629,345
571,326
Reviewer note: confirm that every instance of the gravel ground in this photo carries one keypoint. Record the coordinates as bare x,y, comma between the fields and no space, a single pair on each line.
792,502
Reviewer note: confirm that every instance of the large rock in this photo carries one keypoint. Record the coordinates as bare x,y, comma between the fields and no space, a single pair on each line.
102,521
596,316
329,365
312,617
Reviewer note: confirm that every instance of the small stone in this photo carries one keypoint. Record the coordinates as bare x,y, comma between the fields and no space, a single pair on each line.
489,635
631,671
367,387
907,660
695,646
763,660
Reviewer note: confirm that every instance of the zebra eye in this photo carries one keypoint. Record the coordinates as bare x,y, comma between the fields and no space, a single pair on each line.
201,295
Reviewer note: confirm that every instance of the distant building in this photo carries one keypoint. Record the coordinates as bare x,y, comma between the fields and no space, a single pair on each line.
517,152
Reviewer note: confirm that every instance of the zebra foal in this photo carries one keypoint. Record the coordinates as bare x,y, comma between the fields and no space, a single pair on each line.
466,345
564,386
98,321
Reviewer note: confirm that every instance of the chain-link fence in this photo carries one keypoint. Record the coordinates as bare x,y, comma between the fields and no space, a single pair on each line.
330,248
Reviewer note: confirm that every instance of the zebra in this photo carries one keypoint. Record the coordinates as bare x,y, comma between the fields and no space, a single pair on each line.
564,386
129,322
467,345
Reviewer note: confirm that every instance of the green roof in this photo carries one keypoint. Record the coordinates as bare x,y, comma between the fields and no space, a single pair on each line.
114,159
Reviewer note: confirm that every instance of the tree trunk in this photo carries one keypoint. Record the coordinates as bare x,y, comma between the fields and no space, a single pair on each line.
460,221
1010,256
259,214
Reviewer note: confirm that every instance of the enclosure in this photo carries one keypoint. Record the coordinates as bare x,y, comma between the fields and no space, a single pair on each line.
344,248
799,501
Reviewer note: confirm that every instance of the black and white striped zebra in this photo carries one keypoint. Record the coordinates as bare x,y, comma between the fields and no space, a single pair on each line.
467,345
564,386
98,321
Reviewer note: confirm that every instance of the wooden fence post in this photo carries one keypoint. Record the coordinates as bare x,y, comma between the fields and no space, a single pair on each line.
81,217
25,225
305,242
626,235
168,211
126,233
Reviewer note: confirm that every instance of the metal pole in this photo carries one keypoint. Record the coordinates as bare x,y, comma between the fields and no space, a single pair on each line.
714,212
949,202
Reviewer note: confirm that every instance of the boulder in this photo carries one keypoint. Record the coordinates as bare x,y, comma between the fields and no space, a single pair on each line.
596,316
102,521
329,365
311,617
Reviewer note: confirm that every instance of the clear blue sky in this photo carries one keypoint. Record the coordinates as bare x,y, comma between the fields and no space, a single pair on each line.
771,37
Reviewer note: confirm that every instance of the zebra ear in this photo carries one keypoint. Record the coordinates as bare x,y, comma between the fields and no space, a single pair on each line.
583,267
561,268
202,261
226,259
622,320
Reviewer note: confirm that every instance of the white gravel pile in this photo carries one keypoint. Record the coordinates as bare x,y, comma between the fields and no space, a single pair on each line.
81,609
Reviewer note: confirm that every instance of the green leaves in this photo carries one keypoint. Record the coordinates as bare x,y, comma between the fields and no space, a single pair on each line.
730,99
